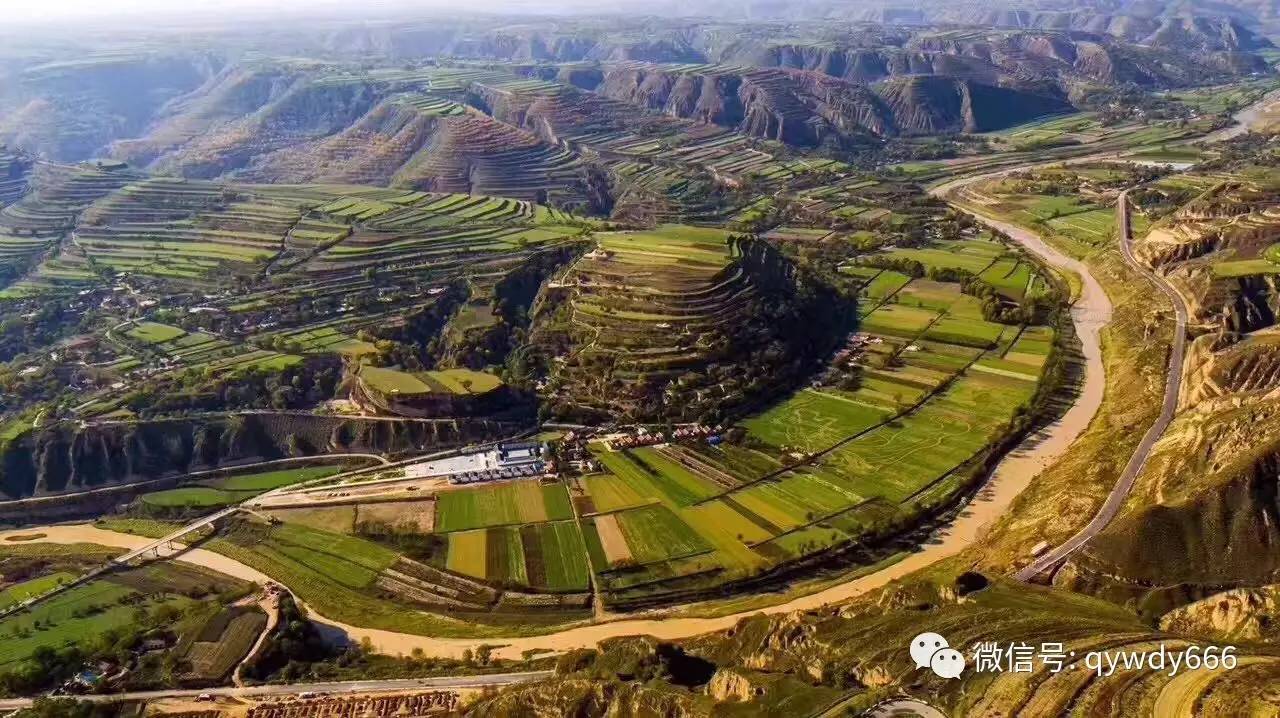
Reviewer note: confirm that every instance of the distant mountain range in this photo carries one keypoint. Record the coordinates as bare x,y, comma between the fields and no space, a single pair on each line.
322,115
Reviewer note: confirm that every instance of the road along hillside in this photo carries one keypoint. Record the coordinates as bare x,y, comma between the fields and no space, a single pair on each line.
1090,312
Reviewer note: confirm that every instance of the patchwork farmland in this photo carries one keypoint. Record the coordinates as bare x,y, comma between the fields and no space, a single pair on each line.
770,360
627,324
831,464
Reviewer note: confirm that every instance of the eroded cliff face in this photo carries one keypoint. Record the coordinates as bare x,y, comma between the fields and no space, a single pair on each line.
70,111
586,697
1247,614
800,108
811,107
1228,221
67,459
1024,59
803,663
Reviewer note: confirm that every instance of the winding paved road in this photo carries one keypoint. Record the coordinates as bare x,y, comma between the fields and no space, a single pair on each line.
1173,382
1090,312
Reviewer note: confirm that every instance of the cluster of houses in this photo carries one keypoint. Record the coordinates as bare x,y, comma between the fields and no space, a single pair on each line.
644,437
573,448
499,474
857,344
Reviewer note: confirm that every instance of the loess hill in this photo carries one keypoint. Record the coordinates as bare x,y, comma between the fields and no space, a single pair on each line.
708,318
758,367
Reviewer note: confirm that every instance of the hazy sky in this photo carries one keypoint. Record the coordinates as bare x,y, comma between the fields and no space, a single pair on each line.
168,10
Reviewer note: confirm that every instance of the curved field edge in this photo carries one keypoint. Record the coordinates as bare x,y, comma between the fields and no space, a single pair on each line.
1066,495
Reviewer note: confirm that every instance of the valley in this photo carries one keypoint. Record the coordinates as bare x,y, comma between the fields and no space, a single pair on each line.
642,371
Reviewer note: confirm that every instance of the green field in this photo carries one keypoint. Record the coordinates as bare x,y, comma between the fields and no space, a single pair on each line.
94,615
554,556
810,420
153,333
668,244
274,479
651,474
655,533
336,575
504,504
20,592
222,640
234,489
447,381
74,616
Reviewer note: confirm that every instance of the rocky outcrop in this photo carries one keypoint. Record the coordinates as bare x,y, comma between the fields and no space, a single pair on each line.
931,105
66,459
1240,614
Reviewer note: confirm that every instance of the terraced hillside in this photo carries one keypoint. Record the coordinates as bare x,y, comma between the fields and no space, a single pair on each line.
15,251
692,319
426,142
183,230
266,296
56,195
238,90
14,171
808,107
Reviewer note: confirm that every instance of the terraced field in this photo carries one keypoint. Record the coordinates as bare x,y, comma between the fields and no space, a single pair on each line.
429,142
311,253
31,226
673,306
830,464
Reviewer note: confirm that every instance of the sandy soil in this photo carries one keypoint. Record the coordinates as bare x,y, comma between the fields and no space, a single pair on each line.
1180,696
87,533
611,538
270,604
